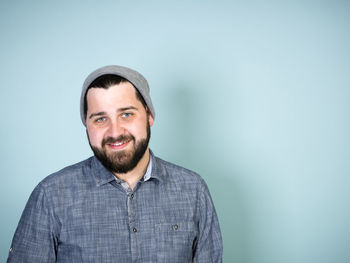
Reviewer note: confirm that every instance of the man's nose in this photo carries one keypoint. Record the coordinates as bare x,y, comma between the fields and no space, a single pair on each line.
115,129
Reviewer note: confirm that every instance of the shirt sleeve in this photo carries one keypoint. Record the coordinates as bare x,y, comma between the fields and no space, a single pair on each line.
34,240
209,243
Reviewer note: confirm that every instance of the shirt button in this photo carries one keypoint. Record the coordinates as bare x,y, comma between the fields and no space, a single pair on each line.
132,196
175,227
134,230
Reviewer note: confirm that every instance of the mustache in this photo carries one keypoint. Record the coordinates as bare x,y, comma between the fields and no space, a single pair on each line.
119,139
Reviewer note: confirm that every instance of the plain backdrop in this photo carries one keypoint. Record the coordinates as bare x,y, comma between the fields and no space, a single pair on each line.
253,95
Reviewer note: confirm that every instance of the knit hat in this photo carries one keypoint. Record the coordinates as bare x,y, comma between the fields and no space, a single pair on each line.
135,78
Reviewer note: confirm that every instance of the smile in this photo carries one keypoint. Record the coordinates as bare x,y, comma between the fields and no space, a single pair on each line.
118,145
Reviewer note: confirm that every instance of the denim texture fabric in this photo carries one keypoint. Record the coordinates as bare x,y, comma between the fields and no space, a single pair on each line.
82,214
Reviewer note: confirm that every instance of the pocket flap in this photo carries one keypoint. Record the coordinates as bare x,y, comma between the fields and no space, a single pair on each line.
176,226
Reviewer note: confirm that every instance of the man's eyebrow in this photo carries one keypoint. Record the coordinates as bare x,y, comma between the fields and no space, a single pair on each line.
127,108
97,114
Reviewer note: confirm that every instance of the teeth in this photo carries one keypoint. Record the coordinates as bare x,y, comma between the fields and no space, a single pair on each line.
117,144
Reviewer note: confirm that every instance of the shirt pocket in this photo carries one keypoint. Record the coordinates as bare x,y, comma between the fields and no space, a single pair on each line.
175,241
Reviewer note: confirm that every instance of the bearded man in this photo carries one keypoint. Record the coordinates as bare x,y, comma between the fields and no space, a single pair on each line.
124,204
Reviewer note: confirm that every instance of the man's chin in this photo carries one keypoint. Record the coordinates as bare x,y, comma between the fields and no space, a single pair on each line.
115,162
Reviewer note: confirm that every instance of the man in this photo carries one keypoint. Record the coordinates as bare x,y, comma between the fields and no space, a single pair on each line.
123,204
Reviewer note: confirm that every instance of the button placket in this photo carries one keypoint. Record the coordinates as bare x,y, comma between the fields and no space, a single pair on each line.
133,225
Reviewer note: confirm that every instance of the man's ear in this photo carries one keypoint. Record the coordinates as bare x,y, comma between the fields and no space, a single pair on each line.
150,117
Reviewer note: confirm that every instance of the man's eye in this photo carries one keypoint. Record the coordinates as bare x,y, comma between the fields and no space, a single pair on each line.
126,114
99,120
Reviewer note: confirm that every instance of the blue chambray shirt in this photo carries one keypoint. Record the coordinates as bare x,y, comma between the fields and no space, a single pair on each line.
82,214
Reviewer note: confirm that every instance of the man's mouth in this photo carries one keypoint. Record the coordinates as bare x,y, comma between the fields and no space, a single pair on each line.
118,145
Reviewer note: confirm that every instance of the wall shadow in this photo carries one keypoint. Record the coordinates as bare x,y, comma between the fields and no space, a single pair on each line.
191,132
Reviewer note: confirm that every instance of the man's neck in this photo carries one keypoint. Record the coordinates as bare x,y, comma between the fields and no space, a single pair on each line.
132,177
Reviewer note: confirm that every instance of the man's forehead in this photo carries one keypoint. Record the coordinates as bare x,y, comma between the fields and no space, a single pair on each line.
115,97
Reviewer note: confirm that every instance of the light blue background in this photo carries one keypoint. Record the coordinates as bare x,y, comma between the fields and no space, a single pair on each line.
253,95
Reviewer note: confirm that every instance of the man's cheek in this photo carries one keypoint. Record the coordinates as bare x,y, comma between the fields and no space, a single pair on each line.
94,137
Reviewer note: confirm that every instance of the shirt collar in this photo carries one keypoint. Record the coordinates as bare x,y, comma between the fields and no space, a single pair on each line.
148,172
158,172
101,173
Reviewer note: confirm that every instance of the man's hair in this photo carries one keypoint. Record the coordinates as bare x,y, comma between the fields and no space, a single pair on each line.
105,82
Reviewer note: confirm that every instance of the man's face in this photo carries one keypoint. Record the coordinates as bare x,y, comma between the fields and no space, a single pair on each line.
118,126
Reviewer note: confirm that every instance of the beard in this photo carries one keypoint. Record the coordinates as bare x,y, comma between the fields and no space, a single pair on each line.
125,160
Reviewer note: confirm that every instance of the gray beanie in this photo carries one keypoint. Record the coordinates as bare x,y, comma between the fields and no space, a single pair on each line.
135,78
